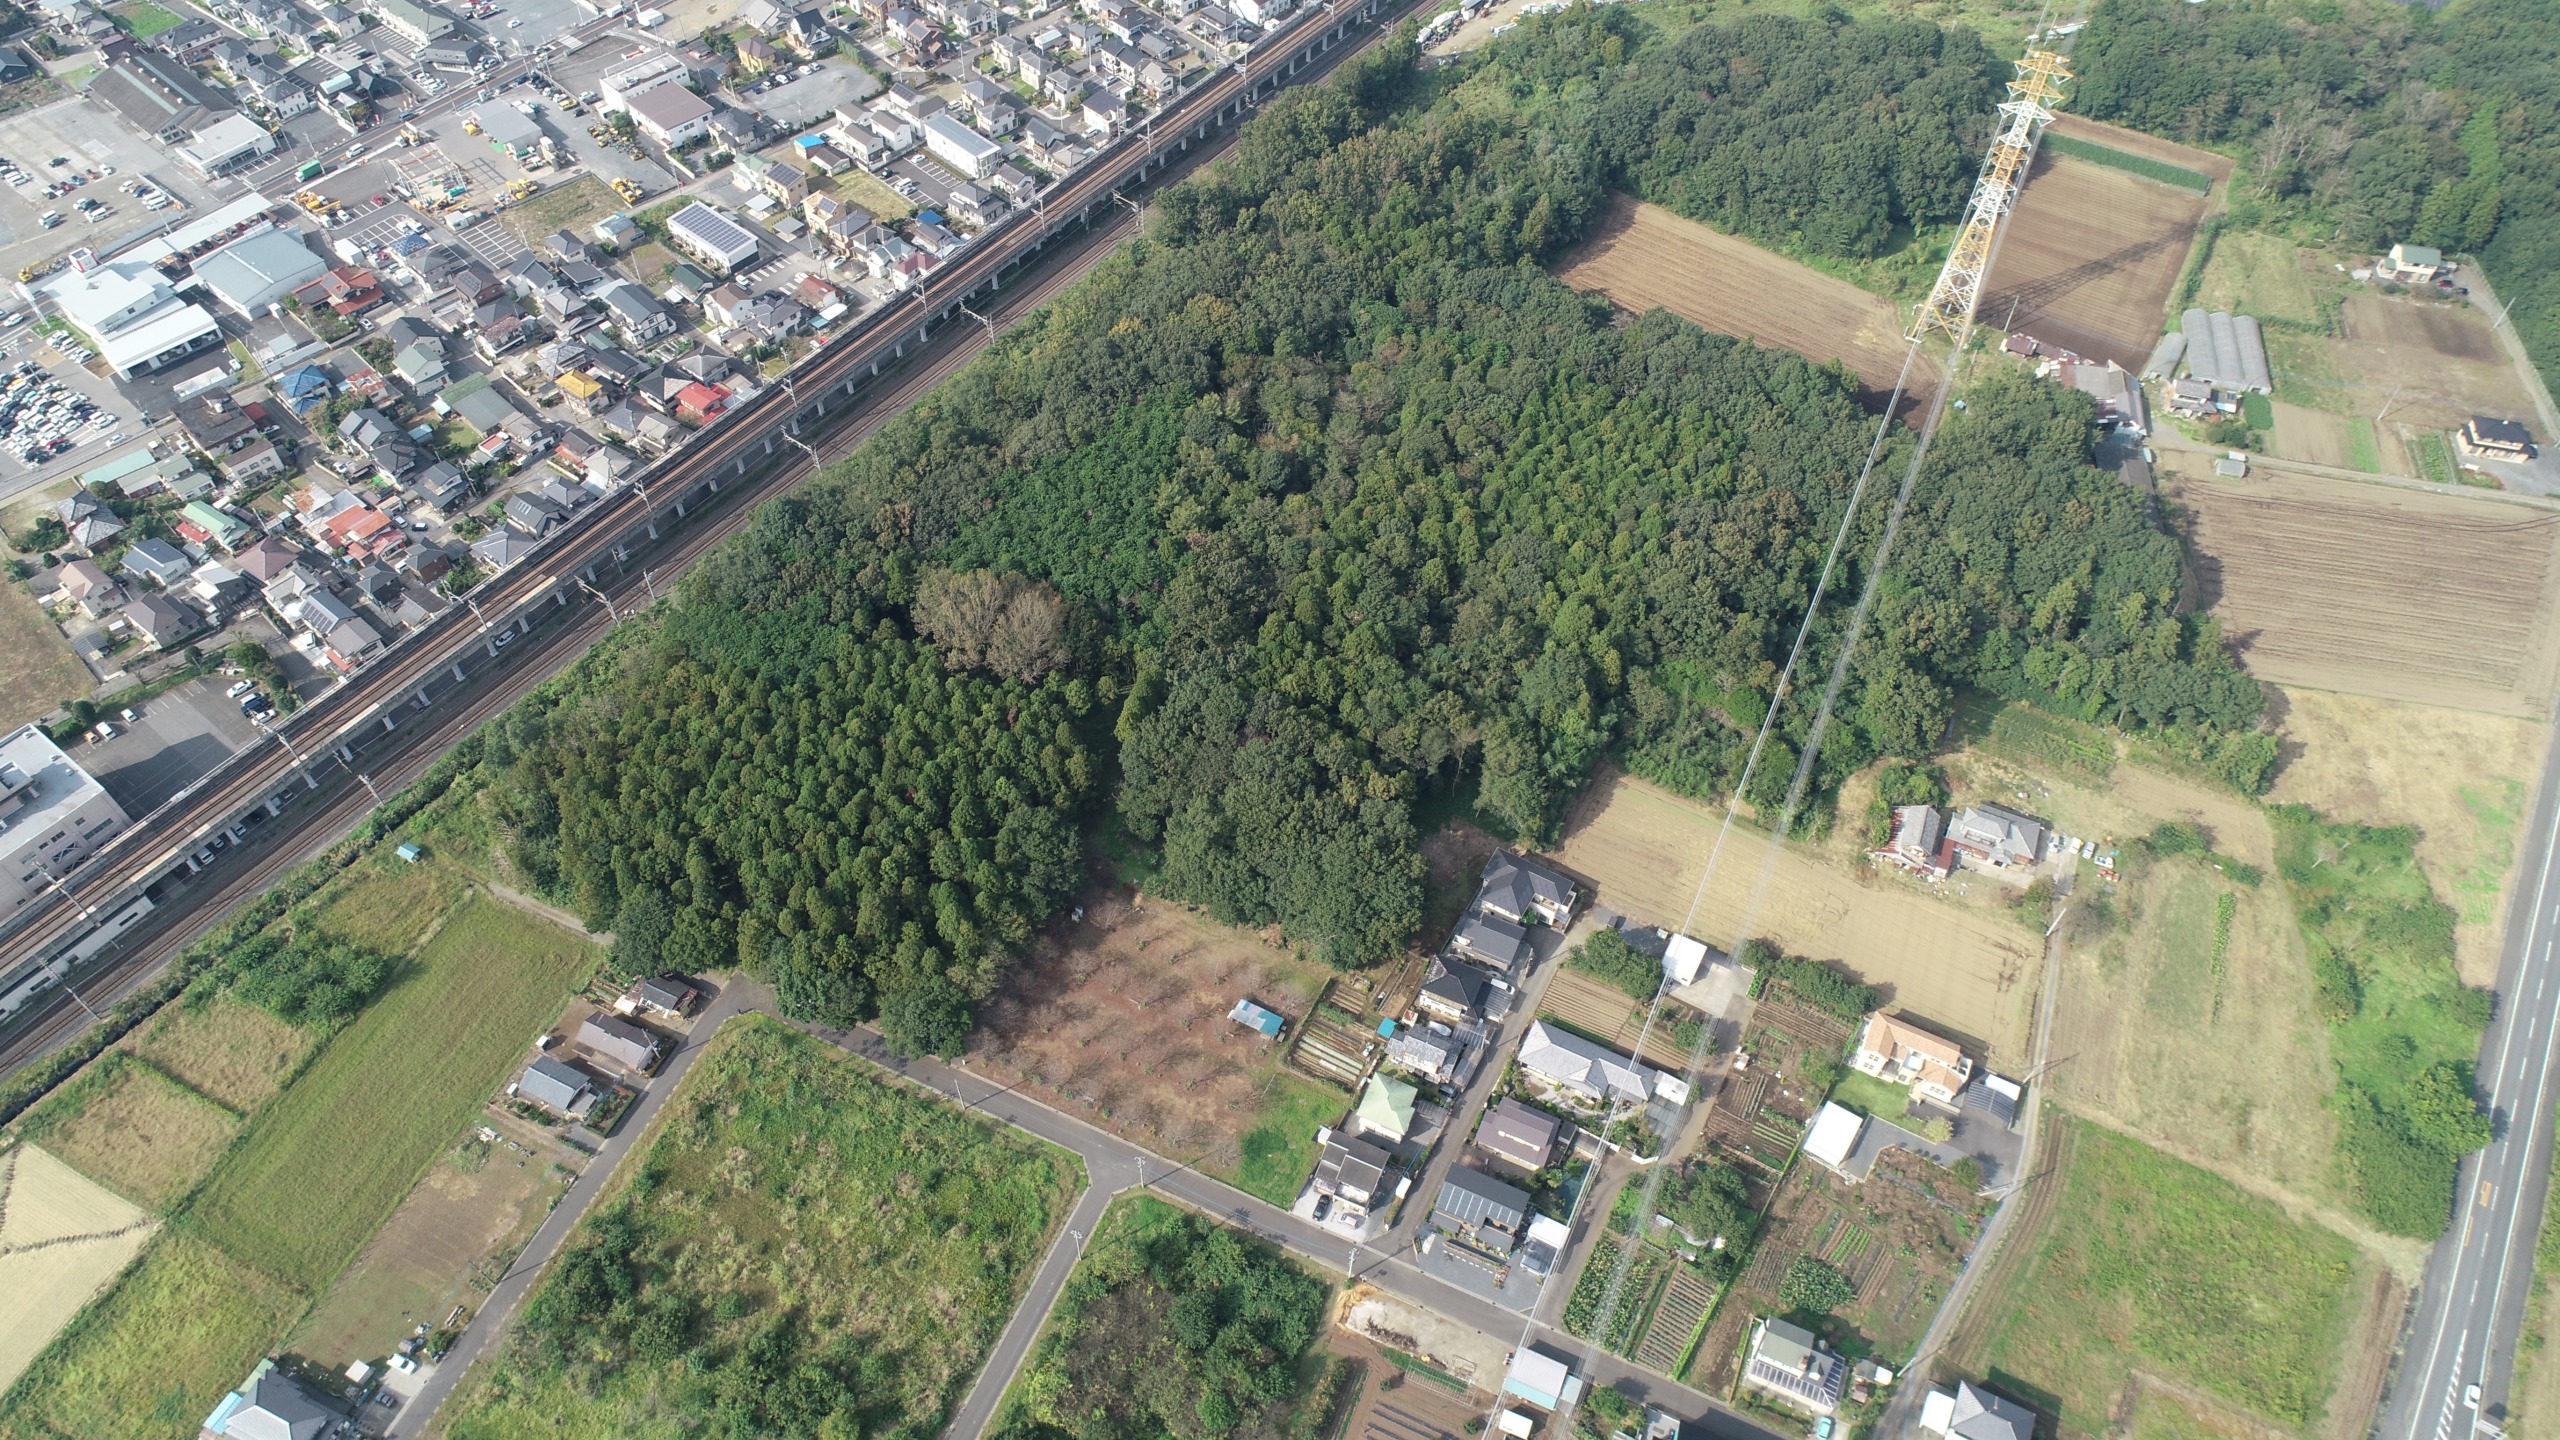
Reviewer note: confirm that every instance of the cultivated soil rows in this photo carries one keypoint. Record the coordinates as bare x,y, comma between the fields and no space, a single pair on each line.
1954,961
2091,255
1642,256
2424,597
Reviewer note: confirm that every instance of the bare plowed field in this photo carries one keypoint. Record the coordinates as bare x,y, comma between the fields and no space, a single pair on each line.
62,1238
1643,256
2400,595
2090,258
2433,365
1952,962
1605,1011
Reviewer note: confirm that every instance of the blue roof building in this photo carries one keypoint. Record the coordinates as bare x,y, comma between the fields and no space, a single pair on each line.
1254,1017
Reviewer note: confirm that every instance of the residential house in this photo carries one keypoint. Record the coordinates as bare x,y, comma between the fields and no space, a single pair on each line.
826,159
2414,264
1523,891
1583,1070
1997,836
697,403
214,423
1486,1214
87,520
671,115
1353,1171
1789,1364
502,547
1492,940
217,587
222,529
1970,1412
1519,1133
1385,1108
2489,439
974,206
711,237
769,315
671,996
556,1086
83,584
835,223
344,290
304,389
504,334
610,1037
417,352
1892,1048
442,484
534,515
642,319
806,31
269,1406
617,231
1430,1053
157,561
1918,842
161,620
252,461
367,427
1453,993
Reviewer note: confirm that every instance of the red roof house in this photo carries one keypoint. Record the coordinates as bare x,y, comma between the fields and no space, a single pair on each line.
698,402
345,290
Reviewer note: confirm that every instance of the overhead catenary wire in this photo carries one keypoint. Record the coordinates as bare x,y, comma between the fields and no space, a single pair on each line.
1933,413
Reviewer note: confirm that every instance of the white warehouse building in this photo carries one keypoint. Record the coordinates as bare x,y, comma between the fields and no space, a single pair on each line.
53,815
960,147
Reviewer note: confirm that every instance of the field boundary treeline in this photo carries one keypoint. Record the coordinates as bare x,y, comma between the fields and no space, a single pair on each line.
2179,176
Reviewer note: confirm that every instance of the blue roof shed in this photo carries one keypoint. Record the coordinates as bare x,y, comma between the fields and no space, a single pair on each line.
1254,1017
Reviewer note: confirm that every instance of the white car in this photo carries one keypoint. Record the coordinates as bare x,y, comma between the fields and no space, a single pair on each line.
2471,1398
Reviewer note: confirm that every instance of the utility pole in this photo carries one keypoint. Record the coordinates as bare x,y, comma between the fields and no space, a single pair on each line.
368,787
298,762
601,597
981,319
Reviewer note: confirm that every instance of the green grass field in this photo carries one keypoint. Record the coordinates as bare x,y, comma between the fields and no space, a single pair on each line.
146,20
2432,458
37,669
132,1129
793,1215
2364,452
148,1361
325,1164
1280,1153
2142,165
1868,1095
2150,1263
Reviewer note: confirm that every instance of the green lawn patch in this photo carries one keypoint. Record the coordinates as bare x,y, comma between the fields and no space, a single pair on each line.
802,1248
2364,452
2257,411
1172,1325
150,1359
1868,1095
1276,1157
2433,459
321,1169
2142,165
146,20
2152,1263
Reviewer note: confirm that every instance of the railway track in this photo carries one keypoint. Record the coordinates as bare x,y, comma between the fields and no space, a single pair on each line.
384,727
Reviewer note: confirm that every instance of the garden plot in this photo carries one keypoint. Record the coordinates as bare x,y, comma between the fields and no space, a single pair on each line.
2090,258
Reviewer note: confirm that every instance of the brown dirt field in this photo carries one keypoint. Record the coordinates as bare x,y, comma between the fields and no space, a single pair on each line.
1643,256
1605,1011
2429,598
1954,962
2134,142
145,1136
2434,365
2459,776
37,669
234,1053
2309,436
93,1236
1395,1406
420,1265
2536,1392
1122,1019
2368,1358
2090,259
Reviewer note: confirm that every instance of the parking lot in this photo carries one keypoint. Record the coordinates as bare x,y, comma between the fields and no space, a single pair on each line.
81,133
175,738
813,99
90,444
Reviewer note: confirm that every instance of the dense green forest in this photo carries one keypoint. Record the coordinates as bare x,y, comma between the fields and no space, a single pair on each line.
2390,122
1321,502
1173,1325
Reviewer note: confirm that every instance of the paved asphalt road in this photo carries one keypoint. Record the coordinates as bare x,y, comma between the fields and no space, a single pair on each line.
2471,1304
1112,1165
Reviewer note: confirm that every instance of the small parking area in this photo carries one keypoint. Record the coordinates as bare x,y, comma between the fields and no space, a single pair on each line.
174,739
933,183
90,139
812,99
91,443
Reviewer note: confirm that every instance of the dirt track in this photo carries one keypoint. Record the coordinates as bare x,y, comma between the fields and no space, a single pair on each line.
2396,594
1643,256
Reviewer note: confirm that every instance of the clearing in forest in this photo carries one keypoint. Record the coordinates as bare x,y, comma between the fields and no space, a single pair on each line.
2090,258
62,1238
1121,1018
1642,256
1957,962
2424,597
